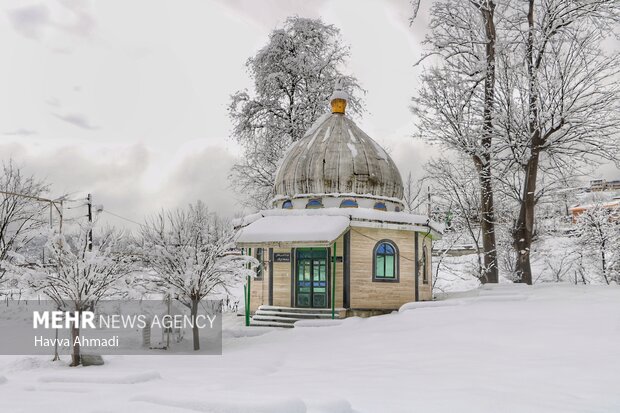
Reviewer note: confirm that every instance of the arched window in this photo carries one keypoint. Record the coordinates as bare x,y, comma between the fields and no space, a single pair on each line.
380,206
385,261
314,203
348,203
287,204
424,266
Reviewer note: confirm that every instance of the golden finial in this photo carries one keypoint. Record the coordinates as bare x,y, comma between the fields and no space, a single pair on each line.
339,97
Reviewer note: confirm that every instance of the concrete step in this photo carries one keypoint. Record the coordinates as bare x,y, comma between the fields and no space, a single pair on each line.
261,317
260,323
297,310
295,315
274,316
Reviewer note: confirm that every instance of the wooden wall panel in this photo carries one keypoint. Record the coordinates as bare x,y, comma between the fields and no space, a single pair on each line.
339,272
282,280
366,294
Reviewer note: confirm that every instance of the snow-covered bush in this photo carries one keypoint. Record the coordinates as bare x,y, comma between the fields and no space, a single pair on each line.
598,229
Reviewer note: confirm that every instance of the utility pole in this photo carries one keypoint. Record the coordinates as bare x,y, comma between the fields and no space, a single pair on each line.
56,203
89,201
429,208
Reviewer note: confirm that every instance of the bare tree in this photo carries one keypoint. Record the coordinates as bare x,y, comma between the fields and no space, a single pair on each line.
412,194
20,216
77,279
455,104
457,192
293,75
560,107
191,252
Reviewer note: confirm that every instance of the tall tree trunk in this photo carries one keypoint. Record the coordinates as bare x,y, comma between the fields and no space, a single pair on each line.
483,163
195,332
487,223
524,227
75,344
603,259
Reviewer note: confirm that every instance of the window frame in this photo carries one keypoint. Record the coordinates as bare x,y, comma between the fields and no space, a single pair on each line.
353,202
383,206
318,206
396,277
259,254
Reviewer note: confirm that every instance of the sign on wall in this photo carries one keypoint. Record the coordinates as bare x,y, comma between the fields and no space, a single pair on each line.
281,257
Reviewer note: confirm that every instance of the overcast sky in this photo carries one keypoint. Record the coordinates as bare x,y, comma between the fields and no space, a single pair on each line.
127,99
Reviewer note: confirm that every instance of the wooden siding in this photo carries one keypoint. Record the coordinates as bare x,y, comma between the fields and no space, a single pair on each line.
369,294
282,280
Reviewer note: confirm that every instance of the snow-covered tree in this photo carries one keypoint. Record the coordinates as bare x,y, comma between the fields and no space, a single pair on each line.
293,77
20,215
76,278
191,254
598,229
457,193
456,101
413,195
557,99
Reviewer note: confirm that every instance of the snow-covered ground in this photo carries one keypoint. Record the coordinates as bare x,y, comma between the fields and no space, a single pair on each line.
508,348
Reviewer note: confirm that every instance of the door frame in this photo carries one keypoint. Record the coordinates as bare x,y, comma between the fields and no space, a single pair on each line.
295,268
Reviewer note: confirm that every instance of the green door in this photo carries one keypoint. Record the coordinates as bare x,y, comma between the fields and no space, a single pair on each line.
311,278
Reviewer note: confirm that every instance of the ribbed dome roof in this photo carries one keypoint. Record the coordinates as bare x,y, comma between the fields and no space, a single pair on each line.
335,156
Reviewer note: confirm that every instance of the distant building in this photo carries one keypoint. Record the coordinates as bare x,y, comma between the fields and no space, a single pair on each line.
613,204
604,185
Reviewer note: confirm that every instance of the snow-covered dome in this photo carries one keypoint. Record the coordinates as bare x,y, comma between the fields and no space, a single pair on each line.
336,161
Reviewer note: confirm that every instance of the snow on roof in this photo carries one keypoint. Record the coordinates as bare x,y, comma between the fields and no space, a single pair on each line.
580,207
311,230
353,214
336,156
317,123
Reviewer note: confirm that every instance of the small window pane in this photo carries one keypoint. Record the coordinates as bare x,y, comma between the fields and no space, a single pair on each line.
389,267
348,203
381,249
380,206
380,266
314,203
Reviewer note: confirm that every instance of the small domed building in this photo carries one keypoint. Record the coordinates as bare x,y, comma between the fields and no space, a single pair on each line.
337,239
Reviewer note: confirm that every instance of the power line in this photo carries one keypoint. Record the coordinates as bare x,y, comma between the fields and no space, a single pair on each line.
123,218
377,240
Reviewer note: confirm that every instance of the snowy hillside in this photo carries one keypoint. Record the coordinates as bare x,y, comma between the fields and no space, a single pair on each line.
508,348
